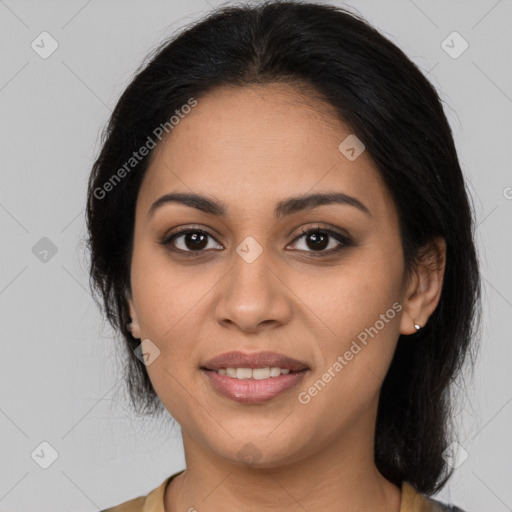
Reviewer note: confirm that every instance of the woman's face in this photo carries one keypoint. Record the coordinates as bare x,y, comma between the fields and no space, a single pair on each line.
256,283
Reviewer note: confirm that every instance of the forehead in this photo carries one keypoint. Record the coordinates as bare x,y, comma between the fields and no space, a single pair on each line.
254,145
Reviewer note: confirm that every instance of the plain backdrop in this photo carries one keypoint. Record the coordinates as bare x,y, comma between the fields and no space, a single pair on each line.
59,369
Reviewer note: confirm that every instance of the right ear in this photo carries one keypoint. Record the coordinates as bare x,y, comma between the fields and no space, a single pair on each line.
134,325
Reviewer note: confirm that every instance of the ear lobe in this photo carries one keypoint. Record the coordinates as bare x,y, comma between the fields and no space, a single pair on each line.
133,326
424,290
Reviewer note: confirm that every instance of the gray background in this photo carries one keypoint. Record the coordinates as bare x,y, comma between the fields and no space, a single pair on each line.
60,365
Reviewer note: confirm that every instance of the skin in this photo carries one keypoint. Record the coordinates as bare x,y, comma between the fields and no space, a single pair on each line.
249,148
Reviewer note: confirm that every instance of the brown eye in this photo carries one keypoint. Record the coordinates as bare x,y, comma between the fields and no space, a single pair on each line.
189,240
319,239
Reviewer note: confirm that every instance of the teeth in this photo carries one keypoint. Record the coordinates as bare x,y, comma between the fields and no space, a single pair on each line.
260,373
275,371
253,373
243,373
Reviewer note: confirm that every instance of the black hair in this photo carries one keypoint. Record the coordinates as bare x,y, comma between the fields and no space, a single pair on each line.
394,110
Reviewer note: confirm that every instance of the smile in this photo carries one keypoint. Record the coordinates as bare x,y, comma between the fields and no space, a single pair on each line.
253,373
253,385
253,377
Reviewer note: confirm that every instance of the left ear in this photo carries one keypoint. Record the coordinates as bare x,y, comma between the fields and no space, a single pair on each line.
423,289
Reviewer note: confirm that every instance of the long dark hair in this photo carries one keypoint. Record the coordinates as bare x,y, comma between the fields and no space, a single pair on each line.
394,110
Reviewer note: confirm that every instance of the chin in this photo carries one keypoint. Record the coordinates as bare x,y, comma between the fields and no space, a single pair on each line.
261,453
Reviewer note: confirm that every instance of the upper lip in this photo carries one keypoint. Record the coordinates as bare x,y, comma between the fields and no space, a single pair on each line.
254,360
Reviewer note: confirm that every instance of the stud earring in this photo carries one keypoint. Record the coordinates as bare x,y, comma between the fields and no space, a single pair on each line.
417,327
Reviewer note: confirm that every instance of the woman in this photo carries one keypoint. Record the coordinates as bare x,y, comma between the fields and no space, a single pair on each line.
279,228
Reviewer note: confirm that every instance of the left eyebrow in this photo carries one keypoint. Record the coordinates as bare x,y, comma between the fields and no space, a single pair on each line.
283,208
299,203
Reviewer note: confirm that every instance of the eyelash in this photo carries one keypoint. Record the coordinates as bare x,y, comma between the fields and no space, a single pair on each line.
343,239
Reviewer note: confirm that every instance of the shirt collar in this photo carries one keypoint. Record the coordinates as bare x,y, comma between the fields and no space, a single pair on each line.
411,500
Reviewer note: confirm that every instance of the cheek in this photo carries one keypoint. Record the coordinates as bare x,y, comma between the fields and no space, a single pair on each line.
167,295
351,296
358,307
168,301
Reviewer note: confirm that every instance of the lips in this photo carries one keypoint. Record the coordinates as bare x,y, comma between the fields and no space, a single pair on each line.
255,360
230,375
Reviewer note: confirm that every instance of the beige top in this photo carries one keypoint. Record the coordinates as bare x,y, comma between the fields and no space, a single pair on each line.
411,500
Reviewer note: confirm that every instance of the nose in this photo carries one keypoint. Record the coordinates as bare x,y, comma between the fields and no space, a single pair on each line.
253,296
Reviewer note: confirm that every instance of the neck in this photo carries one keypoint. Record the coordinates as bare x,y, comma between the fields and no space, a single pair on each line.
340,473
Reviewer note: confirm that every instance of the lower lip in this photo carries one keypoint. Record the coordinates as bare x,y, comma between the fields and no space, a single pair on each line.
252,391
